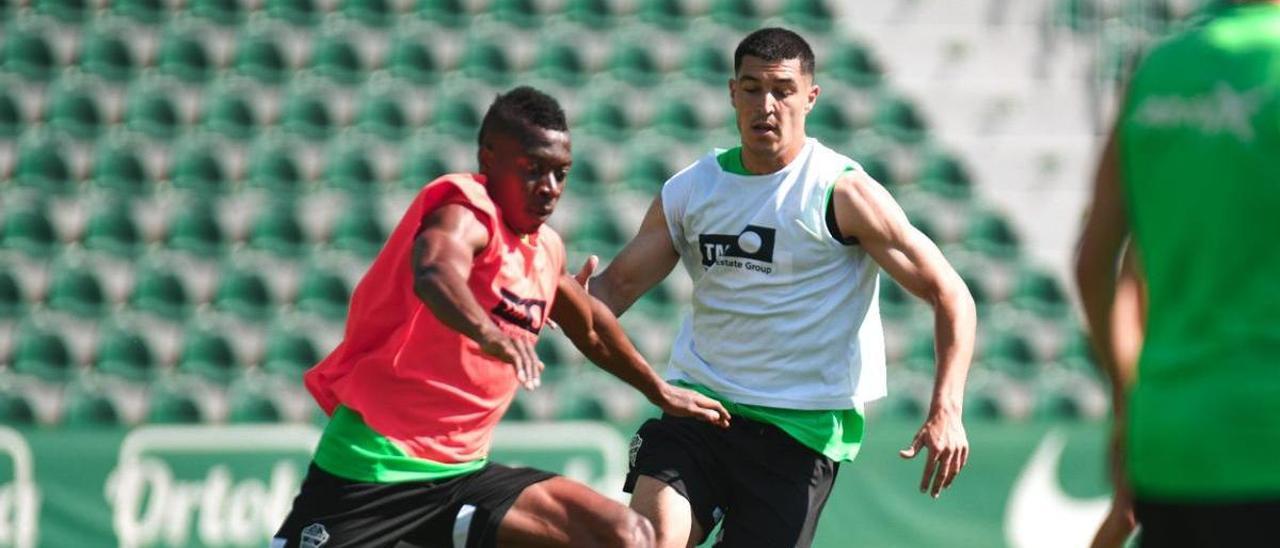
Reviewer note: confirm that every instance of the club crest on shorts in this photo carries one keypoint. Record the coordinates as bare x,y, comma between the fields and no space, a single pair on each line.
313,536
636,440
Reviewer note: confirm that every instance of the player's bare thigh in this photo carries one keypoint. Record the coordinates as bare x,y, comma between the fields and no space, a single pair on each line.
669,512
562,512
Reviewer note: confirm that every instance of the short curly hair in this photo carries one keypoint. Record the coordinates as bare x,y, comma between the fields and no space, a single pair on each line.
775,44
520,109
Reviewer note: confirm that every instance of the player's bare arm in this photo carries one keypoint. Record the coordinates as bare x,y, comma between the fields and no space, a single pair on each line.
864,210
645,261
443,252
595,331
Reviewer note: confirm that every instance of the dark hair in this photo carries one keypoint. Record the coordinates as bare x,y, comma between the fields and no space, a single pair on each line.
774,44
519,110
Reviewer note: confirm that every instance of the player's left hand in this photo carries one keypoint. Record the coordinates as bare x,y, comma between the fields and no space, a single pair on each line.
944,436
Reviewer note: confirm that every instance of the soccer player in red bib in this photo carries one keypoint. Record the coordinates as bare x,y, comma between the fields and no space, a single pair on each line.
440,335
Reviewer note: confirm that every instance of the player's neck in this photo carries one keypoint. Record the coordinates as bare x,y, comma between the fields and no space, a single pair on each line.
764,164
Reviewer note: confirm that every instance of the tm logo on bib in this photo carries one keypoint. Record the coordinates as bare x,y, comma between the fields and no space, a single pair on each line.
754,243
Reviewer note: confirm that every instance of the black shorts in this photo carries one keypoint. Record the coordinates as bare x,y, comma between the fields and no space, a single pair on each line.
768,487
1232,524
460,511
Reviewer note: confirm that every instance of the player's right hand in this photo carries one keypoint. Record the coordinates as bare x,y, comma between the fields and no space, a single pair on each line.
682,402
517,352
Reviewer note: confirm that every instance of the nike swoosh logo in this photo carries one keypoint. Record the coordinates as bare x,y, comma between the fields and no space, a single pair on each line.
1039,513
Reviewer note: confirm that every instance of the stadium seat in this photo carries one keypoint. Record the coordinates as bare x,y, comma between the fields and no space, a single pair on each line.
124,353
1079,15
678,119
107,55
632,63
708,63
184,56
411,59
76,290
15,410
118,167
12,301
249,405
854,64
895,302
646,173
230,113
1040,293
520,13
358,231
324,294
592,14
1008,352
152,113
303,13
664,14
276,230
41,166
307,115
29,231
1077,353
42,353
456,116
447,13
374,13
197,168
349,168
383,116
111,230
742,15
560,62
289,354
70,11
898,119
606,118
158,290
272,167
813,15
584,174
28,54
207,354
243,294
486,61
598,226
422,164
147,12
172,406
878,168
87,409
222,12
11,122
260,58
75,111
944,175
335,57
828,122
992,235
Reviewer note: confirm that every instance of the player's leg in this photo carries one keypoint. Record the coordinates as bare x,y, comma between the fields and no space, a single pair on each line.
676,478
562,512
668,511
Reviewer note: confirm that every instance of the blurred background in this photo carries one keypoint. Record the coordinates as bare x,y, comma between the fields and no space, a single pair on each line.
189,190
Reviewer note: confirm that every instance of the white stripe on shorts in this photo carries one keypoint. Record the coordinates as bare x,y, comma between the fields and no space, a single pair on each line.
462,525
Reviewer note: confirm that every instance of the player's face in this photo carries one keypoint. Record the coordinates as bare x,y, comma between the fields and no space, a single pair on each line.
771,99
526,175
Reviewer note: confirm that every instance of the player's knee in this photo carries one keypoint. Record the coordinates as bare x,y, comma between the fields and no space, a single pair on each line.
629,529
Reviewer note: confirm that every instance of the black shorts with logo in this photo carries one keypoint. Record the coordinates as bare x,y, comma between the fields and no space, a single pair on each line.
466,510
768,487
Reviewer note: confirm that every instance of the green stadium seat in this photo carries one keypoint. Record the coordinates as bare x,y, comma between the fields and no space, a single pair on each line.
1040,293
901,405
606,118
944,175
252,406
107,55
307,115
184,57
374,13
926,226
90,410
171,406
708,63
222,12
854,64
124,353
16,410
592,14
75,112
230,113
335,58
552,355
977,289
272,166
664,14
41,166
303,13
159,291
741,15
813,15
599,227
895,301
12,301
147,12
207,354
1057,403
29,231
76,290
447,13
243,294
349,168
117,167
632,63
486,61
384,117
992,235
1079,15
111,230
28,54
678,119
324,294
260,58
828,122
289,354
11,122
520,13
560,62
878,168
70,11
197,168
42,353
584,174
153,113
276,230
646,173
358,231
1008,352
456,116
422,164
412,60
898,119
1077,353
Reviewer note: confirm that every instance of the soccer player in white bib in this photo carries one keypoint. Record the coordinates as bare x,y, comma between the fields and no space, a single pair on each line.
784,239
